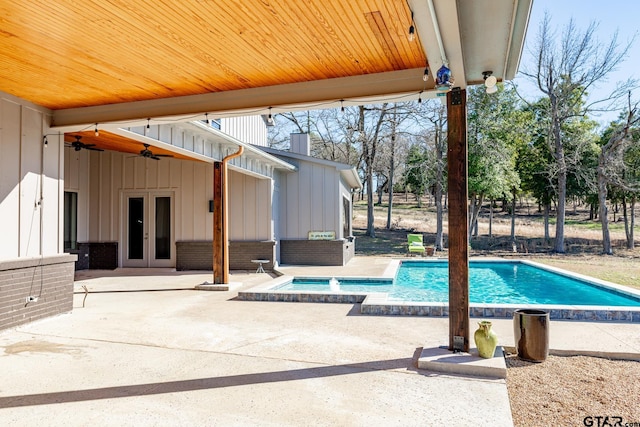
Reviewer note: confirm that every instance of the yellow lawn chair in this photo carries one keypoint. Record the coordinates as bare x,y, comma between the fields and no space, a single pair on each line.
415,243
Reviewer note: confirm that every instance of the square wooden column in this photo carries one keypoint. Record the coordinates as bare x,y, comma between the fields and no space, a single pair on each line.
458,220
218,233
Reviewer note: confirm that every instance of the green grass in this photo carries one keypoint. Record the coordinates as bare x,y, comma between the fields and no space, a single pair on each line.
584,224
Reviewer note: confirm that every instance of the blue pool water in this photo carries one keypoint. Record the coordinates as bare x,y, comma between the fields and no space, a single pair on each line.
489,282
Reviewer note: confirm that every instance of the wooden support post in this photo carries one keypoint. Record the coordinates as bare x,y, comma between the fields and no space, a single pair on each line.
225,212
458,220
218,238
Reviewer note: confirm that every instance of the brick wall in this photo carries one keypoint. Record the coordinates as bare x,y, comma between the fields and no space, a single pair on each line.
316,252
97,256
199,255
50,279
241,254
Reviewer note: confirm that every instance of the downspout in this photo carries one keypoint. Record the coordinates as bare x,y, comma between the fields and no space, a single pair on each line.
225,214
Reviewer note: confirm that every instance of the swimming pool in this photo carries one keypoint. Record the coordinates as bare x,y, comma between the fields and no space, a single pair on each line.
497,288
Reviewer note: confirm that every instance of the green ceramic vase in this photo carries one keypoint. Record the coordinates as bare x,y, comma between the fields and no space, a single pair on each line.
486,340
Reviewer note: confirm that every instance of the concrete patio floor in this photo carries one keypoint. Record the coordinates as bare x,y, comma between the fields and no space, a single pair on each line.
148,350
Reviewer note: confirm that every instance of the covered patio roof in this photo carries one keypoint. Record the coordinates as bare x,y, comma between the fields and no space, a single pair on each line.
126,63
91,61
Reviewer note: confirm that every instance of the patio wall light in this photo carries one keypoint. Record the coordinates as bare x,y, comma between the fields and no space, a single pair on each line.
490,81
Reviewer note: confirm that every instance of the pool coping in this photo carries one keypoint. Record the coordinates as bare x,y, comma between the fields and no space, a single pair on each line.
379,303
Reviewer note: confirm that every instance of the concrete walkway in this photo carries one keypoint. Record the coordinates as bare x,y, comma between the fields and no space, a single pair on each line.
147,350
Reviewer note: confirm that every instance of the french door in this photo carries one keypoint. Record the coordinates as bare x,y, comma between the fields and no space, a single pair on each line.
148,238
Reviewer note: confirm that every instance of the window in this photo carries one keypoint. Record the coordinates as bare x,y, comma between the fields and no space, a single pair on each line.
70,221
214,123
346,218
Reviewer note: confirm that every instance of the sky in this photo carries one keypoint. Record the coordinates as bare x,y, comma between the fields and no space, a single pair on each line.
611,15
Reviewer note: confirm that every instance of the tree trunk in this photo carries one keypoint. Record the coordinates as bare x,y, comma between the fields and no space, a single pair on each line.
630,238
439,219
547,207
490,218
475,205
560,212
439,144
369,155
602,202
513,219
626,218
629,220
391,168
371,232
474,222
558,151
368,174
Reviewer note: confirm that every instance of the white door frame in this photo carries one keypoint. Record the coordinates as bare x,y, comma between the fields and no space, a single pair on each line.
149,242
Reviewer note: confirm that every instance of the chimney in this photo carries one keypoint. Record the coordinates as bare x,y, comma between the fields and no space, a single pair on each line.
300,144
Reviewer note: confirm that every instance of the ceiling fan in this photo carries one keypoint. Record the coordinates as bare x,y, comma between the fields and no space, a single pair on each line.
78,145
149,154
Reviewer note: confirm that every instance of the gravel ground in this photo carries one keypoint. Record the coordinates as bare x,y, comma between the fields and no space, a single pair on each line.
564,391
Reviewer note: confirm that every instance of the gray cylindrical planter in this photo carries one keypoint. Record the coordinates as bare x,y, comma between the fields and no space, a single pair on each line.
531,334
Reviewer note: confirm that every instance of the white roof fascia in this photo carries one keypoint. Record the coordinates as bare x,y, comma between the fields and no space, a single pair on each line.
348,172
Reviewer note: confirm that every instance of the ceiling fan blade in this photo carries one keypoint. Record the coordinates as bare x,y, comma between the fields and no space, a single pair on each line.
94,149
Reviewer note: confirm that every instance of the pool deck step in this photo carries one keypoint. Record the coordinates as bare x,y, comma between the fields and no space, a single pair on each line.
441,359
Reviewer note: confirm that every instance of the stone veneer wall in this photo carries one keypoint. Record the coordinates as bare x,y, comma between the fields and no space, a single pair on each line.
316,252
50,279
198,255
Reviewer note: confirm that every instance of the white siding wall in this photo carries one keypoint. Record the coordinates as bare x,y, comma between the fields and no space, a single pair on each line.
309,201
101,179
249,129
30,182
249,208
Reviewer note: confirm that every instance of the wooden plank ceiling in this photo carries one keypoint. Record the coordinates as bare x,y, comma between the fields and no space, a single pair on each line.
113,142
64,54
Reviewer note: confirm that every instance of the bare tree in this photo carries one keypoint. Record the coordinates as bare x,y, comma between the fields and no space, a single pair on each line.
435,113
611,171
565,68
370,138
392,160
393,151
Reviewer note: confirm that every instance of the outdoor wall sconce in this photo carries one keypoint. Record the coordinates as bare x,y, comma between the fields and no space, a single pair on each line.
490,81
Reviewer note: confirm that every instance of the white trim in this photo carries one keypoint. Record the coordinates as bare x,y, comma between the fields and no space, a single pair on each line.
365,89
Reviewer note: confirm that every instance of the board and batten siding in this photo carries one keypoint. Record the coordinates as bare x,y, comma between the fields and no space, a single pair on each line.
249,129
309,201
249,208
102,179
30,181
32,265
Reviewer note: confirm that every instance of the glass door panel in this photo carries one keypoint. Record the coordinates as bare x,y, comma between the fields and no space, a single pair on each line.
163,228
136,233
